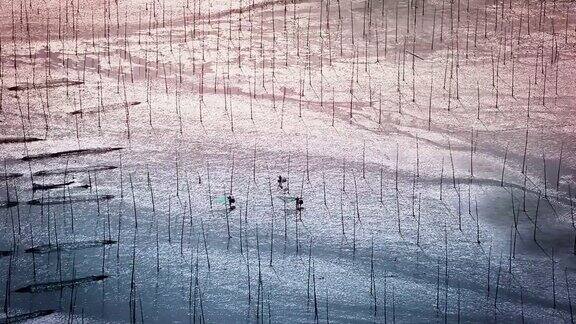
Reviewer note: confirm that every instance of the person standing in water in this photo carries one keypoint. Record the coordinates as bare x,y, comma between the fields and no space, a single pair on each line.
281,181
231,202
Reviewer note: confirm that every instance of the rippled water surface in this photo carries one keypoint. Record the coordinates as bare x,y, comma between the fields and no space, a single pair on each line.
287,161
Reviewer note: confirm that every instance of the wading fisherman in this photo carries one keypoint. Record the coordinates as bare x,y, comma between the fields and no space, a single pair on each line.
299,204
299,208
281,181
231,202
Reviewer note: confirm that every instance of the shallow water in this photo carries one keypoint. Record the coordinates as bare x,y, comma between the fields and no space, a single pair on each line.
436,175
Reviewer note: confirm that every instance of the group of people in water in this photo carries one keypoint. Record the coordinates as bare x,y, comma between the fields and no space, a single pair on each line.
231,201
